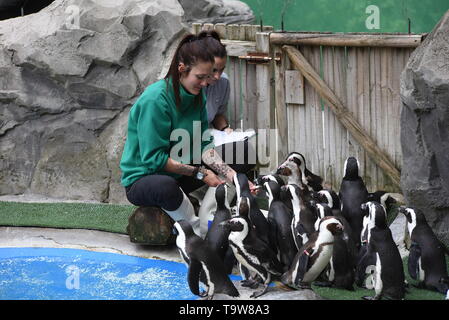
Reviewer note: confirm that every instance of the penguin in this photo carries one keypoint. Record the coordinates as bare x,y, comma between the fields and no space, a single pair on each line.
341,269
370,210
249,250
257,219
280,219
201,258
389,270
353,193
426,261
387,200
259,181
217,236
294,167
303,220
329,197
314,256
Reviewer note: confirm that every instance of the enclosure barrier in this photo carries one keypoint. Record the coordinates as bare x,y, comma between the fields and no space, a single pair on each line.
348,105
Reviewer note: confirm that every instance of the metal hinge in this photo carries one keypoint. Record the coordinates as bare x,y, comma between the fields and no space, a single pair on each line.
259,58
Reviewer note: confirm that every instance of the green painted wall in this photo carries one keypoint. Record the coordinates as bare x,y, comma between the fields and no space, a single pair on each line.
350,15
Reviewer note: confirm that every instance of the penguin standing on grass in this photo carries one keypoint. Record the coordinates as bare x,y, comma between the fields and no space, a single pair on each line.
389,270
314,256
201,259
426,261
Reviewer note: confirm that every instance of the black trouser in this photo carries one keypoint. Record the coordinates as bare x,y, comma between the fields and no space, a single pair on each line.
164,191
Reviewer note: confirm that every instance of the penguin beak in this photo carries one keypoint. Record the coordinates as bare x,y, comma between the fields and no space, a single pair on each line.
402,210
224,224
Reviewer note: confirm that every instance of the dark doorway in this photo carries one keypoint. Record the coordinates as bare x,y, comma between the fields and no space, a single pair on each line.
16,8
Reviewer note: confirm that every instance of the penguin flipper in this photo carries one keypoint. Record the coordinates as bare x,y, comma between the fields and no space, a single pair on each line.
193,276
413,258
303,265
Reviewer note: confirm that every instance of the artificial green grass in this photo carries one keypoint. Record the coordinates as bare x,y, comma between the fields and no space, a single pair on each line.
413,293
114,218
103,217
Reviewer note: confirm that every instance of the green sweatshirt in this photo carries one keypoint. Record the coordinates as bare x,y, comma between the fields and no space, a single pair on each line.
152,122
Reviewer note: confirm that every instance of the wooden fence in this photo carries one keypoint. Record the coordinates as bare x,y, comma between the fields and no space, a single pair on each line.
363,71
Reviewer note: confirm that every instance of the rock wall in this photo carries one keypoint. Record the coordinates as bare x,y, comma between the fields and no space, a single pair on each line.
425,129
68,77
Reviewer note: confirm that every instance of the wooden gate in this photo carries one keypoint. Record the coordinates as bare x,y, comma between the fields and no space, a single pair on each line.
361,74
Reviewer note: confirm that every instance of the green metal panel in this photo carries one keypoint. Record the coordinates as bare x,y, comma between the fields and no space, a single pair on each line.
350,15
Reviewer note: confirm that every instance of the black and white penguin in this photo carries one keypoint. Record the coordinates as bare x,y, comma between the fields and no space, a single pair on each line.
426,261
329,197
387,200
352,194
259,181
304,217
389,270
200,258
341,269
314,256
280,220
250,250
217,236
370,210
294,167
258,220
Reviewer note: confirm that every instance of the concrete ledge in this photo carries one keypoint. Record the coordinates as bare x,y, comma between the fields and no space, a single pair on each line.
92,240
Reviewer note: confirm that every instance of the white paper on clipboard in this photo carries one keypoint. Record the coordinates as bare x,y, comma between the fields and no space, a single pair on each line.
221,137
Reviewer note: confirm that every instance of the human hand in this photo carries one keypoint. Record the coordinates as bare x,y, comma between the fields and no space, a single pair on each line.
211,179
253,188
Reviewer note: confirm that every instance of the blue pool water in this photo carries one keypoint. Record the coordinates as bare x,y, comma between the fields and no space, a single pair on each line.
72,274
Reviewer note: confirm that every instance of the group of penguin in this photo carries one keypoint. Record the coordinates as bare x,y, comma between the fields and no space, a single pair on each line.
310,234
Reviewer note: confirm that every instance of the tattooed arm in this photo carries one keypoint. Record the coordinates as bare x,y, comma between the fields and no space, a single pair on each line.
187,170
214,161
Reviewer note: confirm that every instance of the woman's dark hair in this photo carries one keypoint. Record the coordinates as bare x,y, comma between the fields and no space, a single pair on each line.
213,43
190,51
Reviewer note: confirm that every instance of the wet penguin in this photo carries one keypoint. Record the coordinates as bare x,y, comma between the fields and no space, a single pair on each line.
257,219
250,250
353,193
426,261
200,258
294,167
217,236
389,270
280,220
314,256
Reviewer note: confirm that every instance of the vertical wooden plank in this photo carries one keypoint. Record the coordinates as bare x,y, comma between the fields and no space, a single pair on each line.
230,71
196,27
281,107
251,91
375,105
339,132
328,150
263,102
220,28
233,31
208,27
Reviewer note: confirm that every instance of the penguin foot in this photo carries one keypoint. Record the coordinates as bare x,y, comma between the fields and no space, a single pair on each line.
248,283
367,298
259,293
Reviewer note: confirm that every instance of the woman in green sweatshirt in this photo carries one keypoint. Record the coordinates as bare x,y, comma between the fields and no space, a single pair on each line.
167,137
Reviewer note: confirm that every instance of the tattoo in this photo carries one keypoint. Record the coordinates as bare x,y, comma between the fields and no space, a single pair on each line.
214,161
185,169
